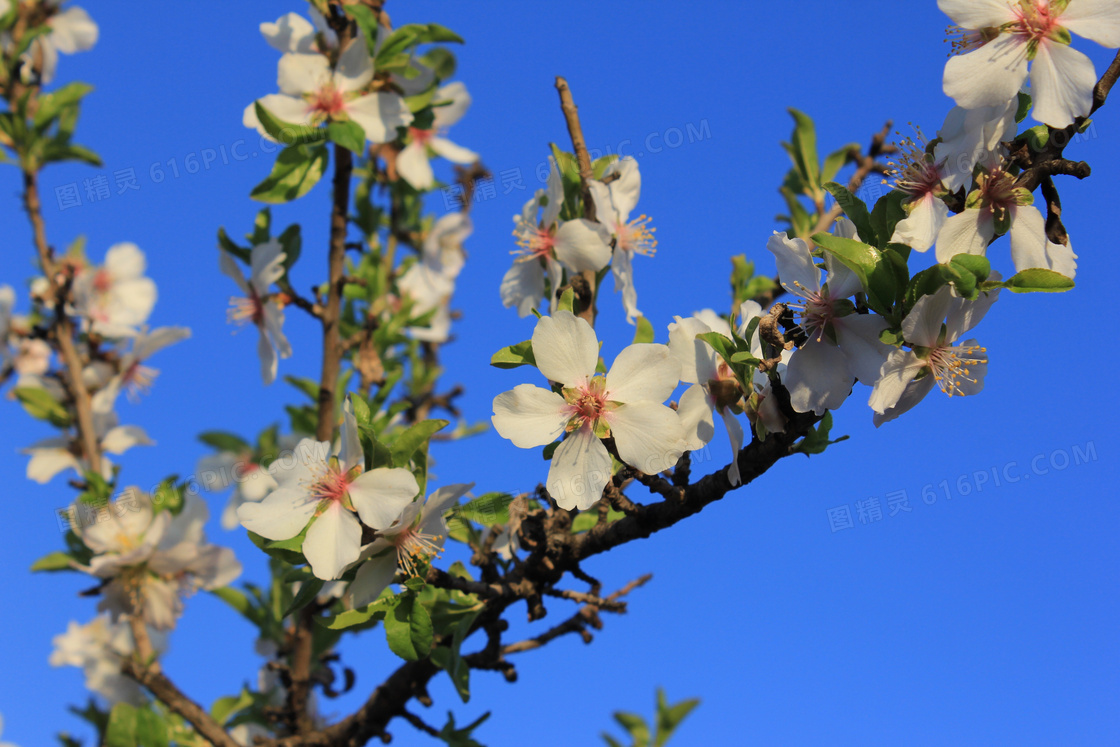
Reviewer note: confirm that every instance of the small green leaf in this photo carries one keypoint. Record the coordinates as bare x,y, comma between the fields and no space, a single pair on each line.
856,211
408,629
297,169
416,437
55,561
874,273
1037,280
224,441
887,214
309,588
287,133
349,135
643,331
805,150
42,406
513,356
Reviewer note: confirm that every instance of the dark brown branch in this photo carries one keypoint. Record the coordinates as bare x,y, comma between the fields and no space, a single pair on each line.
583,285
166,692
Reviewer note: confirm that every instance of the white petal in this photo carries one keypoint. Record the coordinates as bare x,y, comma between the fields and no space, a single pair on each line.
858,338
122,438
840,281
267,355
565,348
919,230
350,453
1028,238
699,362
46,463
583,245
626,189
796,268
73,30
643,372
623,273
373,577
1097,20
333,542
529,416
380,114
649,436
735,434
290,33
460,99
695,413
963,314
355,68
914,393
523,286
125,261
988,76
897,373
581,468
977,14
298,74
451,151
414,167
281,515
969,232
380,495
290,109
1062,81
818,378
922,326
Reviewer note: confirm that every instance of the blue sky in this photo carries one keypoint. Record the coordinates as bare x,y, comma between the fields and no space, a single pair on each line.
987,616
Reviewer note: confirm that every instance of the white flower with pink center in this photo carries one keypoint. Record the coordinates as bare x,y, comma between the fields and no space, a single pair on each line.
331,489
931,329
71,31
1000,38
919,176
974,137
414,540
841,345
312,92
133,376
626,405
548,246
116,298
257,306
614,201
997,206
413,162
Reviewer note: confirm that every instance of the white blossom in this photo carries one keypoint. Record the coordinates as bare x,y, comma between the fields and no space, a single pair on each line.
330,490
116,298
1001,38
415,537
413,161
626,404
99,648
613,204
266,265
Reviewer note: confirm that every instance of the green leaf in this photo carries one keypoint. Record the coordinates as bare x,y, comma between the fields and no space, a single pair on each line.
309,588
567,301
836,160
670,717
1036,280
887,214
856,211
224,441
487,509
1024,107
42,406
513,356
719,343
408,629
135,727
643,331
226,707
52,105
1037,137
297,169
414,438
287,550
461,737
361,408
239,602
805,150
370,614
817,440
63,151
287,133
292,242
349,135
875,274
635,725
55,561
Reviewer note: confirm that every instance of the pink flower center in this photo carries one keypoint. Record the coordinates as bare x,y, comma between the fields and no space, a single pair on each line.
331,485
1034,20
637,236
587,404
815,312
951,366
415,548
244,310
915,172
535,242
102,281
423,137
328,101
138,378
